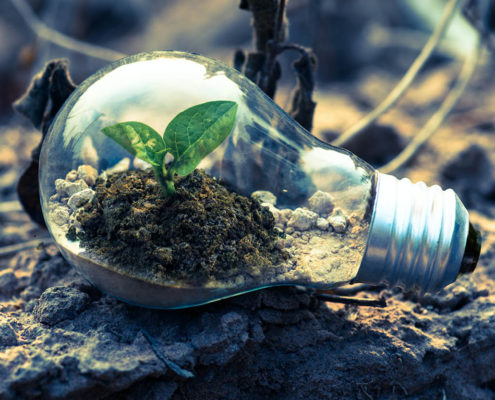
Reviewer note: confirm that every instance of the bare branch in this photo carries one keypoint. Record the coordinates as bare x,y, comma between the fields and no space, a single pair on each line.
272,45
53,36
354,289
155,346
352,300
406,80
439,116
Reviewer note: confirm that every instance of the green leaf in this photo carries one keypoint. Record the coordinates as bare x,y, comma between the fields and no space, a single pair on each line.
140,140
197,131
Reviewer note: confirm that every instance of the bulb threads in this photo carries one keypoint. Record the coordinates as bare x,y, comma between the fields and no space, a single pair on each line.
417,237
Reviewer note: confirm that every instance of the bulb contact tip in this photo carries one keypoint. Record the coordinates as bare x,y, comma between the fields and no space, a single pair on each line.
472,251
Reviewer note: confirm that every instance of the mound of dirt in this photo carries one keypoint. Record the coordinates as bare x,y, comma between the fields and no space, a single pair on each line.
204,231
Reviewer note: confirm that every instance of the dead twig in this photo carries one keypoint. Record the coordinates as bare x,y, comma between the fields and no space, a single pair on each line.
67,42
406,80
355,289
45,96
303,106
169,363
439,116
272,48
352,300
261,65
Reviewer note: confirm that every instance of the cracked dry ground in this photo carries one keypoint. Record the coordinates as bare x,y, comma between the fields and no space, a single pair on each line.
60,338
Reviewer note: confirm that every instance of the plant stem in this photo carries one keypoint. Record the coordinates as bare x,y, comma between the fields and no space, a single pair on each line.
165,180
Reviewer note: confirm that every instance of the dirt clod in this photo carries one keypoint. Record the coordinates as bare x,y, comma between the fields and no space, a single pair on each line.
59,303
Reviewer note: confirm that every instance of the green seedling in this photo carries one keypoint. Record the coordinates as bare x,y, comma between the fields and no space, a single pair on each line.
189,137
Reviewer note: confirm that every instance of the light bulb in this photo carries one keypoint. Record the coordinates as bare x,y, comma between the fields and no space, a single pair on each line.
337,220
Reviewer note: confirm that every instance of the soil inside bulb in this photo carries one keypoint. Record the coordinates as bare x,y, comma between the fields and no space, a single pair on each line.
204,232
206,235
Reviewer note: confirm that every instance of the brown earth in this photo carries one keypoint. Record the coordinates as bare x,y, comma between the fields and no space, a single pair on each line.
203,232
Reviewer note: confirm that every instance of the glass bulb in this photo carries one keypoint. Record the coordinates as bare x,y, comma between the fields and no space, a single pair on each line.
322,216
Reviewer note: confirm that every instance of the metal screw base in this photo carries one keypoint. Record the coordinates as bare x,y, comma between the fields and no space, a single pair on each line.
417,236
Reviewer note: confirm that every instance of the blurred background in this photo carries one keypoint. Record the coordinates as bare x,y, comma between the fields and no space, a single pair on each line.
363,47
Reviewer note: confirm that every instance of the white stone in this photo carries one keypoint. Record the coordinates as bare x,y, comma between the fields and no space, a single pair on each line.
71,176
322,224
80,198
264,196
140,165
285,215
302,219
65,188
60,215
88,174
122,166
321,202
338,223
60,187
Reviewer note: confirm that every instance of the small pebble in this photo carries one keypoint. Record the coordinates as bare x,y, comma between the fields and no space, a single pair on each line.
71,176
302,219
285,215
60,215
264,196
80,198
59,303
122,166
140,165
88,174
321,202
338,223
322,224
65,188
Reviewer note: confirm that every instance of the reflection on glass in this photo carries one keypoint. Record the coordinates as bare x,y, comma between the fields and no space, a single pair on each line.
319,196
